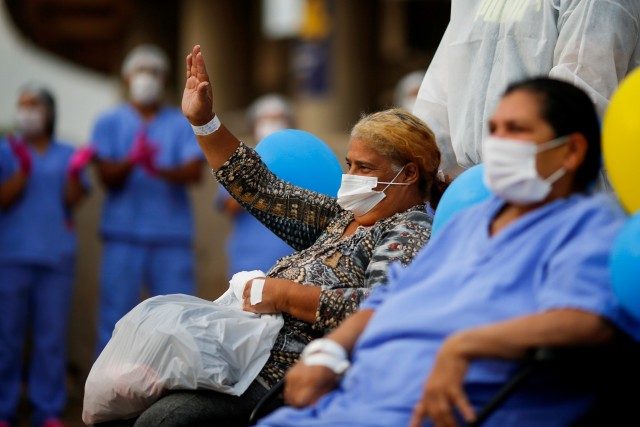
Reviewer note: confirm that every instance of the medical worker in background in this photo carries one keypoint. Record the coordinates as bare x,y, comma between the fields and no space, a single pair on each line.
147,155
406,90
489,44
251,245
41,181
268,114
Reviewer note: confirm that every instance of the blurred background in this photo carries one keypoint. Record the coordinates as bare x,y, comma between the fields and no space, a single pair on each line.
334,59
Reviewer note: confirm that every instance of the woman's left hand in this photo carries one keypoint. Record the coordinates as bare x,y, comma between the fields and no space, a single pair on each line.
443,392
197,98
284,296
271,295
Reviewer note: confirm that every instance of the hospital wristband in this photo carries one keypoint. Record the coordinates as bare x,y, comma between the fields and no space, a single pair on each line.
209,128
327,353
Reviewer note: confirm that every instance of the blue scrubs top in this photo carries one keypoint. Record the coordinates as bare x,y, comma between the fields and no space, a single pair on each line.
37,228
251,245
554,257
147,209
8,164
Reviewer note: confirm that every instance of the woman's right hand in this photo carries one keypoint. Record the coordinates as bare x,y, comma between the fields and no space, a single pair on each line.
197,98
305,385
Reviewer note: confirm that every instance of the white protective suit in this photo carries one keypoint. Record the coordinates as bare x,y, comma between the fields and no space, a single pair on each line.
489,44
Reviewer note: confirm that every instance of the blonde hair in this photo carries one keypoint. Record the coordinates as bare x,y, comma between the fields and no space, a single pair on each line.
402,137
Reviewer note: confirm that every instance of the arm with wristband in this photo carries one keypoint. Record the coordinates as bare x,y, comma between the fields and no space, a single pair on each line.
323,362
216,141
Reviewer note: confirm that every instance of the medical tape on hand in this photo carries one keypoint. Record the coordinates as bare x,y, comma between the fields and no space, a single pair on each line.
256,291
239,281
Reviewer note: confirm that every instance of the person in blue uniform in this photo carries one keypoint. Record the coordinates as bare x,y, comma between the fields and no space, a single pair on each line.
146,155
41,181
528,267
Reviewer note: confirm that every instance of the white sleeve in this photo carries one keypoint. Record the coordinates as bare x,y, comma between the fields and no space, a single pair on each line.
596,45
431,104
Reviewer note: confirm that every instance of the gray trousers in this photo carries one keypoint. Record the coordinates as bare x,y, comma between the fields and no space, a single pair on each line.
201,408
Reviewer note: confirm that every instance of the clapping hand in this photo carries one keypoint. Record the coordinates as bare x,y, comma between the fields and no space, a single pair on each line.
21,153
79,160
197,99
143,152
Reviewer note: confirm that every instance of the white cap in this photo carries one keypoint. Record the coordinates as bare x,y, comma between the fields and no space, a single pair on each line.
407,85
145,55
270,104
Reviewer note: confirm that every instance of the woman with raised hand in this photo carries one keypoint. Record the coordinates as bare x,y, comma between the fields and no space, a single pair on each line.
343,247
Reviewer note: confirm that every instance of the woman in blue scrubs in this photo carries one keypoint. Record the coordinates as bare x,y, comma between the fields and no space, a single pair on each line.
41,182
527,268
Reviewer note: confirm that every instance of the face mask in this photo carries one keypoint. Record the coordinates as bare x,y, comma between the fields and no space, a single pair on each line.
357,194
145,88
510,169
266,127
30,121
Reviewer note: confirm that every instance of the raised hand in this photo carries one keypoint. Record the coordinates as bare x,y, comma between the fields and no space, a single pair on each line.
197,98
197,106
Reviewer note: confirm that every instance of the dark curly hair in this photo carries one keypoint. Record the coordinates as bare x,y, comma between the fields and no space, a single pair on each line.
568,109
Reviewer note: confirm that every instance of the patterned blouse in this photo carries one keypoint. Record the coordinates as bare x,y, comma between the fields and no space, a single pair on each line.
345,269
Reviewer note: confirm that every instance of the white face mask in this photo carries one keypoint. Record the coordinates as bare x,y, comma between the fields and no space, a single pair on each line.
357,194
145,88
510,169
30,121
265,127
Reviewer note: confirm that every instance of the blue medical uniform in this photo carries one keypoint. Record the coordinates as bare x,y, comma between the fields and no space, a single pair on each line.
37,262
147,224
554,257
251,245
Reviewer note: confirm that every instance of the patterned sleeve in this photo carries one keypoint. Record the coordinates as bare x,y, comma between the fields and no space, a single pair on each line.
296,215
397,244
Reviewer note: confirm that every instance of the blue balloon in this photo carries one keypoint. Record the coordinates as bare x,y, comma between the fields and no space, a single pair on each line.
465,190
625,266
302,159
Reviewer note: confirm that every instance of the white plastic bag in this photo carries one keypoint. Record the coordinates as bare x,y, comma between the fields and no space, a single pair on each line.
174,342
